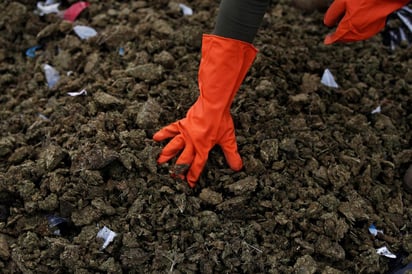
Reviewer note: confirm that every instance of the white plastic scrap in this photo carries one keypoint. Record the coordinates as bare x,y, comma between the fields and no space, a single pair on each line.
107,235
405,20
385,252
84,32
374,231
52,75
78,93
186,10
43,117
47,7
328,79
376,110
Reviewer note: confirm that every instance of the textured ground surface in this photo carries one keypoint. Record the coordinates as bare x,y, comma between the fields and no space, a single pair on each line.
319,167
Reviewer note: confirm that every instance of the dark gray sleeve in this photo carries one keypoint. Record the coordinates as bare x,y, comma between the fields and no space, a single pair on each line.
240,19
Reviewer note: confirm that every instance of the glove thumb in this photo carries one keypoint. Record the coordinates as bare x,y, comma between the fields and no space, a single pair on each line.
334,13
167,132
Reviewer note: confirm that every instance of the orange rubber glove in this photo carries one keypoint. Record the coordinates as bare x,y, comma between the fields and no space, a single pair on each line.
208,122
361,18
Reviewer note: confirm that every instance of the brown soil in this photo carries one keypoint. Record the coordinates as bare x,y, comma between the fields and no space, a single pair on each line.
319,167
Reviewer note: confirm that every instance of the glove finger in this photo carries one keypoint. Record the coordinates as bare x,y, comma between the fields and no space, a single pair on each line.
229,148
184,161
334,12
196,169
171,149
167,132
330,39
187,155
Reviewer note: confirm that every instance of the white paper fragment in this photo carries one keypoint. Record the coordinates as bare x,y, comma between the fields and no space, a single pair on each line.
328,79
78,93
185,9
84,32
385,252
107,235
374,231
377,110
52,75
47,7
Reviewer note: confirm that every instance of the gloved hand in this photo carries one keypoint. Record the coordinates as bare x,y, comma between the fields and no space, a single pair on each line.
359,19
208,122
196,135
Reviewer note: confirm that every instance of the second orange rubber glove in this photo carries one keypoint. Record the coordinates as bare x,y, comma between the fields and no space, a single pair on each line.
359,19
208,122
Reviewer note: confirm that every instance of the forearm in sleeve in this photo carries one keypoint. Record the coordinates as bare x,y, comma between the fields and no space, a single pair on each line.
240,19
